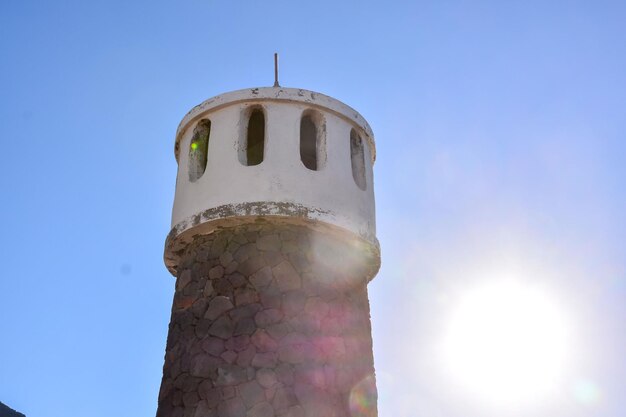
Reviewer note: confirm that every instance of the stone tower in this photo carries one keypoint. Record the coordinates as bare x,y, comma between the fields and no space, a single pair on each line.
272,245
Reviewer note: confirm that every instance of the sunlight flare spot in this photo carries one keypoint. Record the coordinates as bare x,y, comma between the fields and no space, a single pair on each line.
506,343
363,398
586,392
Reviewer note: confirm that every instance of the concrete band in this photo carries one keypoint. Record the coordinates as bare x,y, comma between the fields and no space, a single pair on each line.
183,233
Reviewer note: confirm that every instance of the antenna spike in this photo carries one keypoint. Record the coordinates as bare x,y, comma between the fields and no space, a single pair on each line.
276,70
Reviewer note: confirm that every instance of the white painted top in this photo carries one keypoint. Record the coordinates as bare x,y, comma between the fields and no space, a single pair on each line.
280,186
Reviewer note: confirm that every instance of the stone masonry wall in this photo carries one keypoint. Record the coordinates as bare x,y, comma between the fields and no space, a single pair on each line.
269,321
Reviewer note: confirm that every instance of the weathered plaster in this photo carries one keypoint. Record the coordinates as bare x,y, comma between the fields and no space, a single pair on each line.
295,95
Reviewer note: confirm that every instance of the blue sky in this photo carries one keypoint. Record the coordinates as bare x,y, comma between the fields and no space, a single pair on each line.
501,143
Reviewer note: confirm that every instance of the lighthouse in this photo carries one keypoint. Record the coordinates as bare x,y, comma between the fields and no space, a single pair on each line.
272,245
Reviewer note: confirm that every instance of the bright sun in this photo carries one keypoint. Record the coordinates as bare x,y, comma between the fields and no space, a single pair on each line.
506,343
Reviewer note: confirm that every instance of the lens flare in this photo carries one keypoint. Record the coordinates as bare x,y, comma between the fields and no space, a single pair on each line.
363,398
506,343
194,146
587,392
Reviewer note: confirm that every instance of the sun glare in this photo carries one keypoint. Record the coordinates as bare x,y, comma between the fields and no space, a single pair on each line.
506,343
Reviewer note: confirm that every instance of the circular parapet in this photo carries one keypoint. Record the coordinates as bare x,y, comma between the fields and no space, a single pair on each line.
282,154
279,94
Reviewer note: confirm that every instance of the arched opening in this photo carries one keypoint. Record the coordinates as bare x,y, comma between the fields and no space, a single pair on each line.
357,156
255,138
312,141
199,149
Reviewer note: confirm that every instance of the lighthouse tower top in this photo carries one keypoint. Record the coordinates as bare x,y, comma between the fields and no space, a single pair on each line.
280,154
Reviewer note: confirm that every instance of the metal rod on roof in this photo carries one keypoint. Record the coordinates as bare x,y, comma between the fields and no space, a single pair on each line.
276,70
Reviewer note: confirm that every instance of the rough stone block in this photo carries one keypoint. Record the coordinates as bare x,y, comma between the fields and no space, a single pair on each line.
237,280
294,411
225,259
299,261
273,258
294,348
183,279
190,399
191,384
240,238
278,331
266,377
238,343
213,346
304,324
210,394
228,392
229,356
262,277
218,246
271,298
204,410
200,270
230,375
251,236
177,398
202,328
263,341
268,317
232,267
263,409
251,393
222,328
244,358
311,374
293,302
184,301
310,396
283,399
245,252
289,247
268,243
217,307
216,272
264,360
245,296
223,287
204,366
286,278
269,393
233,407
199,307
252,265
245,326
208,289
284,373
245,311
316,307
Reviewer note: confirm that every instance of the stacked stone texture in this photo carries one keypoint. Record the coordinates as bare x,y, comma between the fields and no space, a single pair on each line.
269,320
